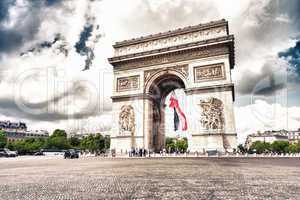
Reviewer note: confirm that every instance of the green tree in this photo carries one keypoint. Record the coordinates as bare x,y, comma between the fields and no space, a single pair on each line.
88,143
59,133
106,142
94,143
3,139
74,141
173,144
170,144
294,148
99,143
182,144
27,146
19,146
260,147
58,140
280,146
57,143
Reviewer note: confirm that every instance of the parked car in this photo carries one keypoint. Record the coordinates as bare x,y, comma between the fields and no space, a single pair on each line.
4,152
39,153
71,153
212,152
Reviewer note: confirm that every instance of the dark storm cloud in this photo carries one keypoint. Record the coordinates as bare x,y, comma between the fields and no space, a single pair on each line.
293,57
290,8
266,82
89,28
48,44
52,2
26,26
270,29
80,46
10,106
9,40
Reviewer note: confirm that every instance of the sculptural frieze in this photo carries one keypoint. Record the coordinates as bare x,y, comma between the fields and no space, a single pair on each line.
128,83
212,114
172,57
183,69
172,41
209,72
127,120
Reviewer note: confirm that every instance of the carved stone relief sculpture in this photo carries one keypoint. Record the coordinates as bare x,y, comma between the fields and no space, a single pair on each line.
127,120
172,41
212,115
128,83
183,69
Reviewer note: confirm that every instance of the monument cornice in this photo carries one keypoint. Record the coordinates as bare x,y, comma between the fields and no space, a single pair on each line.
212,88
179,31
127,97
201,49
223,39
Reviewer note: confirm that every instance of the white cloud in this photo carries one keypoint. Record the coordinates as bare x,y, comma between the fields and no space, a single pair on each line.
262,116
261,31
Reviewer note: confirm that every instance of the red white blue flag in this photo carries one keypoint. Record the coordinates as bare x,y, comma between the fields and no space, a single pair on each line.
179,116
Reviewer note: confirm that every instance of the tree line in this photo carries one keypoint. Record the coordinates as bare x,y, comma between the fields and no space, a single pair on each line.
95,143
278,147
176,145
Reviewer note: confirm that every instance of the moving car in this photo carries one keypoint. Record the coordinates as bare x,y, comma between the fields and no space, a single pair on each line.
4,152
71,153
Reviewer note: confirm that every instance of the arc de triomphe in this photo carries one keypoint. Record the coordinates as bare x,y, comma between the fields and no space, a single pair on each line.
198,59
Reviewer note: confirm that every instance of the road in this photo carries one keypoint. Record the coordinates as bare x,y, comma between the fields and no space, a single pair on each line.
156,178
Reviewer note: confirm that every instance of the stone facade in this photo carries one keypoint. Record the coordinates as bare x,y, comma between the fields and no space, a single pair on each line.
198,59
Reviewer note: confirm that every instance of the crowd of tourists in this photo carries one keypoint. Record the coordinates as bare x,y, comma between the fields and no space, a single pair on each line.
139,152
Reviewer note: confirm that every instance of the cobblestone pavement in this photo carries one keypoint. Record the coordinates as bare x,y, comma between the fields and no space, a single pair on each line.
168,178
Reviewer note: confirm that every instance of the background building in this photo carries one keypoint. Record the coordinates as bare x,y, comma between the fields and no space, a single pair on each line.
294,136
13,130
18,131
272,136
36,134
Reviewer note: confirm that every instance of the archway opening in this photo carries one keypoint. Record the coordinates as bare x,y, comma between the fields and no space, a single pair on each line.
159,90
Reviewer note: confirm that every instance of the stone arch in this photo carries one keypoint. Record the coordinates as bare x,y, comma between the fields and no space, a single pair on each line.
158,85
163,73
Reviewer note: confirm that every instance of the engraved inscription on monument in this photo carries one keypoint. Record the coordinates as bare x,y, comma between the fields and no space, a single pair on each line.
209,72
212,116
127,120
128,83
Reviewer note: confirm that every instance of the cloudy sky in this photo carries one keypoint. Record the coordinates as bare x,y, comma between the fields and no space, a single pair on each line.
54,70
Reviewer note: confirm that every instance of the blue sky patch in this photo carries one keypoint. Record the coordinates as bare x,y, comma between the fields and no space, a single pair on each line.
293,56
4,7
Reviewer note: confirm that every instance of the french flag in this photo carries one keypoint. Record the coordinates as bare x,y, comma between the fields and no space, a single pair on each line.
178,114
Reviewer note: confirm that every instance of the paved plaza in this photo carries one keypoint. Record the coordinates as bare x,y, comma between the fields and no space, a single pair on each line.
156,178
